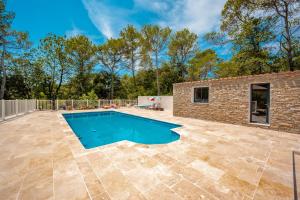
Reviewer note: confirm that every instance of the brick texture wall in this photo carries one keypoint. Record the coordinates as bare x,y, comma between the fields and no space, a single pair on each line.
229,100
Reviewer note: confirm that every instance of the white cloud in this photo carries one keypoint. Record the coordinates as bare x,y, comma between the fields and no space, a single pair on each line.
152,5
74,32
96,12
107,19
200,16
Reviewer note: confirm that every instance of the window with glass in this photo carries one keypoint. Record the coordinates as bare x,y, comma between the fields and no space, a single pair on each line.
201,95
260,103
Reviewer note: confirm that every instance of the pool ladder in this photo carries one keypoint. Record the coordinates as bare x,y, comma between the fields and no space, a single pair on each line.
295,174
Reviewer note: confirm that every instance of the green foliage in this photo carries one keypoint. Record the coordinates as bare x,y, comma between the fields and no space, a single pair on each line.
287,19
128,87
89,96
249,64
146,80
54,62
227,69
168,76
80,54
131,52
182,47
23,76
217,38
249,35
154,41
102,84
234,14
110,55
203,63
250,31
10,42
17,88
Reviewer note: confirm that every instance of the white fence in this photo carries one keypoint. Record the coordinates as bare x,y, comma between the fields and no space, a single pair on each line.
166,102
14,108
87,104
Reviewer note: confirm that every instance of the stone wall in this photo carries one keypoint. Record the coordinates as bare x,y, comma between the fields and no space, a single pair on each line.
229,100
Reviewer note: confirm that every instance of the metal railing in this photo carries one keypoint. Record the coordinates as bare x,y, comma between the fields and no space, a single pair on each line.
294,154
14,108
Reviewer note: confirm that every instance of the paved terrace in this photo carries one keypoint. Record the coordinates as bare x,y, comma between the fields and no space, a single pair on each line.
41,158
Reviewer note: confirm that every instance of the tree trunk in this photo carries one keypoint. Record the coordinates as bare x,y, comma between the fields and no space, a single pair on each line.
181,69
287,36
112,87
58,87
3,69
133,72
289,48
134,81
53,103
157,74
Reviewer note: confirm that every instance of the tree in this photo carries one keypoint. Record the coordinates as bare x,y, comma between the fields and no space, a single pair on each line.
89,96
130,90
110,56
248,35
132,46
279,20
253,55
16,87
168,76
154,40
286,14
81,54
202,64
10,41
25,68
55,64
102,83
146,79
25,77
182,47
227,69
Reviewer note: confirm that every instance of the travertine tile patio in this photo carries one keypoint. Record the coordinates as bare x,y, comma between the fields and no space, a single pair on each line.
43,159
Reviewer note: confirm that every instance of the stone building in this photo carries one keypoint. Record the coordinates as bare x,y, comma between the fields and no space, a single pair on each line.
265,100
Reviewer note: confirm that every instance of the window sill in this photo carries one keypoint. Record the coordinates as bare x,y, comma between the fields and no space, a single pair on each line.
259,124
199,103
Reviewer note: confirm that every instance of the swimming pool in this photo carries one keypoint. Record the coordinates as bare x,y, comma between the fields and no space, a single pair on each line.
100,128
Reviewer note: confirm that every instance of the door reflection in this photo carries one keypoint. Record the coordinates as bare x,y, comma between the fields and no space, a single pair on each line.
260,100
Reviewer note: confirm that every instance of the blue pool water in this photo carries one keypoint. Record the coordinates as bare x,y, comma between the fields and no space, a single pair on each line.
100,128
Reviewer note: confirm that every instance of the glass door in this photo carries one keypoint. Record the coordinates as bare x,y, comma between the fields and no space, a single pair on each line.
260,103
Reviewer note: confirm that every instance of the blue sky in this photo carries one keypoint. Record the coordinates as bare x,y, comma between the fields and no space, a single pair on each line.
102,19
